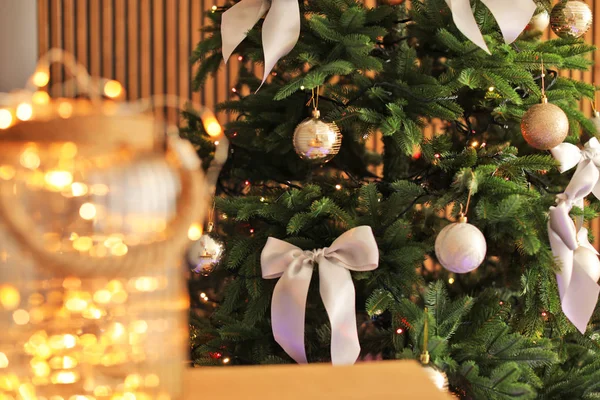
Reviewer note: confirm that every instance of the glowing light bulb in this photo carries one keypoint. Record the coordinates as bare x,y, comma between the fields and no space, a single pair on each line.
58,180
214,8
399,331
79,189
338,187
491,88
83,243
65,109
40,78
3,360
40,97
9,297
474,143
451,281
87,211
21,317
213,128
24,111
6,118
119,249
113,89
226,360
194,232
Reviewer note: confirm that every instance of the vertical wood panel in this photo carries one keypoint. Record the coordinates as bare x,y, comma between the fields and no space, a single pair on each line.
95,38
196,23
134,49
183,38
171,54
69,37
82,52
145,49
120,57
158,35
56,71
107,39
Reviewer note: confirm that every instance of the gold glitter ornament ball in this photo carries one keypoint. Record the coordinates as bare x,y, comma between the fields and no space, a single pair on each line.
317,141
545,126
571,19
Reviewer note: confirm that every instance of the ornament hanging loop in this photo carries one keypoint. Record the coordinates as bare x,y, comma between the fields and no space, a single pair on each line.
425,353
544,97
462,215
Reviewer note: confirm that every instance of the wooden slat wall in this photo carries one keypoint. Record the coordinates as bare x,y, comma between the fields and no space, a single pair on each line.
144,44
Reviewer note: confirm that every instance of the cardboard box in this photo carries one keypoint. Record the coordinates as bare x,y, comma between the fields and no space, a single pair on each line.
373,380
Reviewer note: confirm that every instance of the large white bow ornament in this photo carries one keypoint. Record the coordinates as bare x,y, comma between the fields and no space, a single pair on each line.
355,250
570,155
580,267
280,31
512,17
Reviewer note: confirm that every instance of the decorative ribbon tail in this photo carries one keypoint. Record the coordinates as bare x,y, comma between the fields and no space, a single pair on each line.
238,20
465,22
338,295
288,307
567,154
579,300
512,16
280,32
281,259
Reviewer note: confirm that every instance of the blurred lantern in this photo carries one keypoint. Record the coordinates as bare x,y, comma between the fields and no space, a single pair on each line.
94,216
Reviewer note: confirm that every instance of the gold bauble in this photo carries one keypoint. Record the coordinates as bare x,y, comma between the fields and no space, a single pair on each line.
317,141
571,19
540,22
545,126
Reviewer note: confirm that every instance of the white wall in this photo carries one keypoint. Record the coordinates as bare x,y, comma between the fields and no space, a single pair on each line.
18,42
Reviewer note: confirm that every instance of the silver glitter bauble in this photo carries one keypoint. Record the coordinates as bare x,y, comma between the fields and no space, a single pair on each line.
204,254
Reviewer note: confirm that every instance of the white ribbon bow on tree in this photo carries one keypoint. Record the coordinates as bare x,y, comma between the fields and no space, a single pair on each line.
580,267
512,17
355,250
569,155
280,31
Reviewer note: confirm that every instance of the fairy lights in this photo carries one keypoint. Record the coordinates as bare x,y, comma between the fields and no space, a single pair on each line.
65,329
6,118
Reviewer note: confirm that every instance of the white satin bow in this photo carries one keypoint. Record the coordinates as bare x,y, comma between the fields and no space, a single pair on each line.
512,17
355,250
280,31
577,280
570,155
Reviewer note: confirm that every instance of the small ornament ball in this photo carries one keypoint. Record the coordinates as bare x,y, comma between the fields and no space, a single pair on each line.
571,19
460,247
540,21
545,126
204,254
317,141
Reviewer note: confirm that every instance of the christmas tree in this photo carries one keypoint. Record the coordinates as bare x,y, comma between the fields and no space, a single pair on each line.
448,115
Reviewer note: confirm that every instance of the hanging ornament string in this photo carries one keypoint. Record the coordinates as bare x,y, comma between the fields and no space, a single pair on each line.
210,218
424,351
